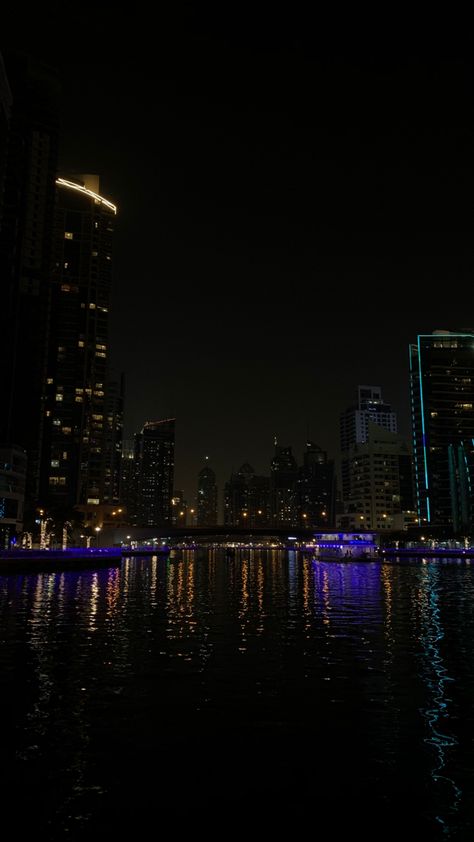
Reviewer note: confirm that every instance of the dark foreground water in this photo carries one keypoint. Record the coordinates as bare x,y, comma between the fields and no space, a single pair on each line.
259,697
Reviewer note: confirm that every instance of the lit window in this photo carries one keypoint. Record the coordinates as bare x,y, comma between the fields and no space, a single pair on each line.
59,397
95,254
66,265
93,501
80,344
100,354
68,235
79,399
65,455
55,463
91,305
66,431
65,288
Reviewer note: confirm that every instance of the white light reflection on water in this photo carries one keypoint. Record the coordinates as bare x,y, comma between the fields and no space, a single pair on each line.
436,679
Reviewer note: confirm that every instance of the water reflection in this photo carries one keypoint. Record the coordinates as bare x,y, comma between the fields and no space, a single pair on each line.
435,675
267,659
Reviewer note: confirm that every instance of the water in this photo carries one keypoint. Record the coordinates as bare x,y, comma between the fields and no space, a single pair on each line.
263,696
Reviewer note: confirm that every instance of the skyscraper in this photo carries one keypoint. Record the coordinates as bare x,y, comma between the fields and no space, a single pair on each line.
154,471
442,398
316,488
247,499
283,487
5,110
354,426
207,497
380,480
12,492
26,255
127,494
74,441
113,440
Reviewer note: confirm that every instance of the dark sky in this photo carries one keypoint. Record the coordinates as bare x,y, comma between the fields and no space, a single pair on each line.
295,204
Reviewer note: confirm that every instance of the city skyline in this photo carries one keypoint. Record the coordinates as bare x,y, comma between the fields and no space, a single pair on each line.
283,233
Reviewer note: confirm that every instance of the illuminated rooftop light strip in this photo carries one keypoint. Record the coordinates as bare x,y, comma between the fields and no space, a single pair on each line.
81,189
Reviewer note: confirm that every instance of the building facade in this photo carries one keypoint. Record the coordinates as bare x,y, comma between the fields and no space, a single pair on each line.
207,497
247,500
283,487
442,400
380,478
354,426
154,473
26,239
12,493
74,455
316,488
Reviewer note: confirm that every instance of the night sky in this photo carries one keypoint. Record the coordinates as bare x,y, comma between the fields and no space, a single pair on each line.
295,205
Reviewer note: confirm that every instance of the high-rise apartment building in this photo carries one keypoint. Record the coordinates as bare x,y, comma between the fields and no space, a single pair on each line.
12,492
247,499
442,399
5,110
207,497
316,488
113,440
283,487
354,426
74,455
154,472
26,255
127,495
380,479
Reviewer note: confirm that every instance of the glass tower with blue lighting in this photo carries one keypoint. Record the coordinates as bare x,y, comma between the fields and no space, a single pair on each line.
442,404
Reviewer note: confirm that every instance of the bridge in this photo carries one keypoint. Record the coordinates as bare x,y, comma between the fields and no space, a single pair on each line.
235,534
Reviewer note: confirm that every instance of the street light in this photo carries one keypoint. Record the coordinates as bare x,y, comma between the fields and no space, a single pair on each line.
97,530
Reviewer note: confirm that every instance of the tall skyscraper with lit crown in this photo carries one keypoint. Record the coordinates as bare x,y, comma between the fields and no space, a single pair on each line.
74,443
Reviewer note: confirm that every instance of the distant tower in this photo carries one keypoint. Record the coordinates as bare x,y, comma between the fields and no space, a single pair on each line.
154,471
316,488
207,497
354,426
127,495
283,483
113,440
